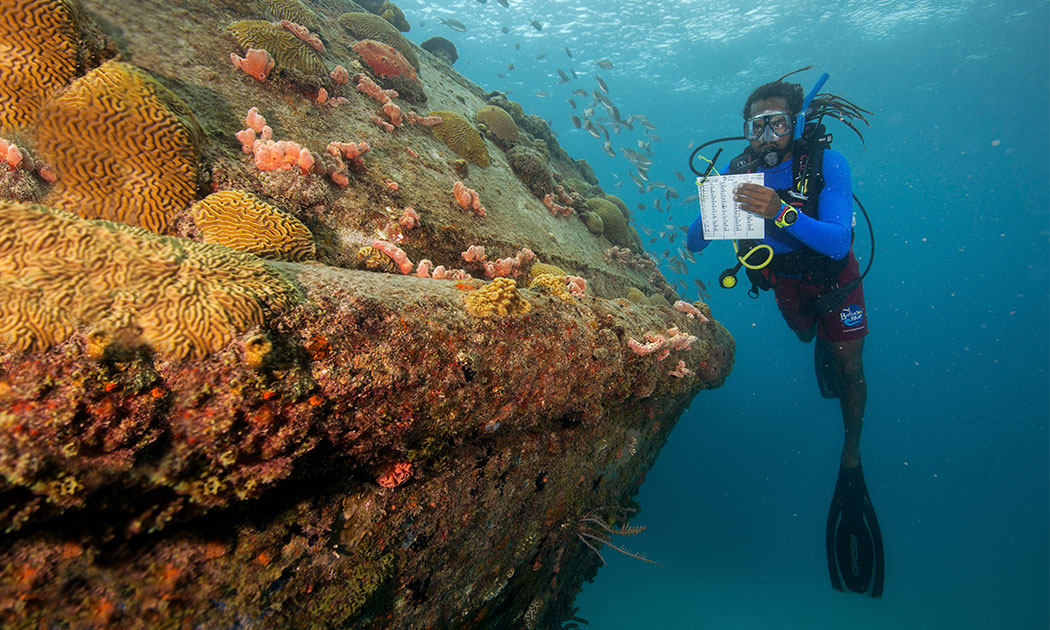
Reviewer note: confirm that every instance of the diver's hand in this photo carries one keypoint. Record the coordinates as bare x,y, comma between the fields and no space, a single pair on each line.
757,200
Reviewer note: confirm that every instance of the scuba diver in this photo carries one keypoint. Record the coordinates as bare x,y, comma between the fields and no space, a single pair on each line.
806,258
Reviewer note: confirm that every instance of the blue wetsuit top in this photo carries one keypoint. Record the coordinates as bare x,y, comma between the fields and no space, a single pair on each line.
830,234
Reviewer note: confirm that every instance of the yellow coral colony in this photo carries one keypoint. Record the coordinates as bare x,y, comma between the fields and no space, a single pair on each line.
555,285
124,147
499,122
293,11
460,136
182,298
39,50
499,297
241,221
368,26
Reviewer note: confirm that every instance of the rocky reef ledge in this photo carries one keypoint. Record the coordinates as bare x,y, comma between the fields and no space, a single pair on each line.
229,398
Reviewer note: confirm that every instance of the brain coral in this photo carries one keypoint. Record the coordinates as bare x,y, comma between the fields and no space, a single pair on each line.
619,204
368,26
393,14
293,11
375,259
384,59
615,226
39,43
133,156
539,269
498,122
531,168
181,298
456,132
286,49
441,47
499,297
240,221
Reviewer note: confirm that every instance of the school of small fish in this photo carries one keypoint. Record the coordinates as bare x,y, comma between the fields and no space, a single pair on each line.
601,119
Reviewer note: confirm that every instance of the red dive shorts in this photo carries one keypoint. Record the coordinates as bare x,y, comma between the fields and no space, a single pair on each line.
797,300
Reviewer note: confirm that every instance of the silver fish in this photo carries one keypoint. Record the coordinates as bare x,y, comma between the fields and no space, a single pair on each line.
659,185
655,137
505,30
604,64
648,125
641,206
690,199
536,25
604,131
455,25
572,72
680,177
587,125
503,3
576,121
644,174
672,193
648,231
637,180
601,98
615,115
601,84
543,94
637,158
580,92
607,147
541,56
573,103
589,112
564,77
568,52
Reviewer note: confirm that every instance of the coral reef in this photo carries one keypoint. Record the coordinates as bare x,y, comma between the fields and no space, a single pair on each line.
499,297
192,436
367,26
459,135
241,221
441,48
287,50
499,123
132,155
40,56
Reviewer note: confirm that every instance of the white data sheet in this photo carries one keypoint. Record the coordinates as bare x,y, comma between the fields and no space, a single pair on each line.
722,217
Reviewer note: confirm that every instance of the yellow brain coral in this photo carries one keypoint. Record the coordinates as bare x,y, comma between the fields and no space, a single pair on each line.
38,50
499,122
538,269
374,259
181,298
460,136
499,297
368,26
293,11
125,148
287,50
555,285
241,221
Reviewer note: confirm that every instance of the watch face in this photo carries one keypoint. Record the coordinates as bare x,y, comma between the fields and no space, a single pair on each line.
790,216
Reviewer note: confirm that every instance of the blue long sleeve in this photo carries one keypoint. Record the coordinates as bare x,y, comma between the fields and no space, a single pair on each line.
830,235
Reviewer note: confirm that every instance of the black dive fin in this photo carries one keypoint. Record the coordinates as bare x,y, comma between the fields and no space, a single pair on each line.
822,366
854,540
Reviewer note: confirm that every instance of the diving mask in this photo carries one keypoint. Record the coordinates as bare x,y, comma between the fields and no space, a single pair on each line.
768,126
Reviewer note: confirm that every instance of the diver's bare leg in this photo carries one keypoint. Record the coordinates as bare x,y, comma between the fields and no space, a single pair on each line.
853,394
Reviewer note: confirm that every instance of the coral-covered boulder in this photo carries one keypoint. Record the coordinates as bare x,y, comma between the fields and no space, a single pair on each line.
442,48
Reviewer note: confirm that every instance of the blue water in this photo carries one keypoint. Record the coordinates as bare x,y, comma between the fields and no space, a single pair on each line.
955,174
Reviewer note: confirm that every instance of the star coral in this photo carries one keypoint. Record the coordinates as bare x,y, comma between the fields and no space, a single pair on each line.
241,221
124,147
499,297
39,42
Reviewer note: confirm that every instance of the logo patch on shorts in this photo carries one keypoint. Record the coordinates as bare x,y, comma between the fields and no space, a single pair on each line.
852,315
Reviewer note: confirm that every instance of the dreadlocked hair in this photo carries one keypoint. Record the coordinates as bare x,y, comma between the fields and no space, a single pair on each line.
839,108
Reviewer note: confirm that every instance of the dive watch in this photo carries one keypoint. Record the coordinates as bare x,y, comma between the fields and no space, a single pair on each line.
786,217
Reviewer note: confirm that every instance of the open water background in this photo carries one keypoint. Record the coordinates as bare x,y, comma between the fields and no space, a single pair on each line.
955,176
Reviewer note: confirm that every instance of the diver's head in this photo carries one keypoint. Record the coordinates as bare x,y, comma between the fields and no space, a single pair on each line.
769,120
